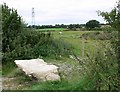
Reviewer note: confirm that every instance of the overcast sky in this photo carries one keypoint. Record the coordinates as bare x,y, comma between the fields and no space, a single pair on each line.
60,11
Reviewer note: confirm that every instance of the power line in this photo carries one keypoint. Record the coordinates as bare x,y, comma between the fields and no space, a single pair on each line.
33,18
119,6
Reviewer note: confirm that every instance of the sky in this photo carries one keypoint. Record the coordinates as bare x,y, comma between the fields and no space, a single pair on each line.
51,12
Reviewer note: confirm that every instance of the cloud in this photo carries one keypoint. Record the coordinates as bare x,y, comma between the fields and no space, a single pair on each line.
60,11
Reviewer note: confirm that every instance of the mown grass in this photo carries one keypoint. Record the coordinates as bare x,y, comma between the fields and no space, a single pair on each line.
52,29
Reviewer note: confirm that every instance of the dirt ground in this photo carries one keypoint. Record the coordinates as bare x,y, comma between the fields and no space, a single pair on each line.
14,84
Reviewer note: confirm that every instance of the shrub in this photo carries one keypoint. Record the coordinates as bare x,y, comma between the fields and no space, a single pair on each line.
33,44
102,70
106,35
11,26
52,48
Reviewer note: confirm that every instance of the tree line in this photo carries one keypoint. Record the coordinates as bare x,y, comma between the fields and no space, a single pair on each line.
91,24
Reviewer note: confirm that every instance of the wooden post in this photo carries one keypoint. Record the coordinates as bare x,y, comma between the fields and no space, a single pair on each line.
83,49
1,47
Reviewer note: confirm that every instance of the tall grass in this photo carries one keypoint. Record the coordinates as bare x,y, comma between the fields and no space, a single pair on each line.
102,69
59,85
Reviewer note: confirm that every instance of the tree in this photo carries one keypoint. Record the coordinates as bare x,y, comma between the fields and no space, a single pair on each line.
103,68
110,61
92,24
113,18
11,26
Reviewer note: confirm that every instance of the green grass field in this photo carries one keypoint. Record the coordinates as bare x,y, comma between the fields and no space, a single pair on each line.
73,38
52,29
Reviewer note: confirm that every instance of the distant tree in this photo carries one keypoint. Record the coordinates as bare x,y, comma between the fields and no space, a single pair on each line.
92,24
71,26
77,26
57,25
63,26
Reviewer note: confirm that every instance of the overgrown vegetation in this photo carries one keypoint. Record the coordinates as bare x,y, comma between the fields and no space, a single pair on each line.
104,35
99,71
103,68
19,43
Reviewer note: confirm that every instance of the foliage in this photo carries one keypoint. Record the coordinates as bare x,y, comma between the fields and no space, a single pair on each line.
21,43
52,48
103,68
74,26
31,44
92,24
62,85
105,35
70,26
113,18
11,26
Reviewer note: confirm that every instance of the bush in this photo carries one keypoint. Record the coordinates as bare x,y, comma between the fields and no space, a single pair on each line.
102,70
11,26
51,47
33,44
105,35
